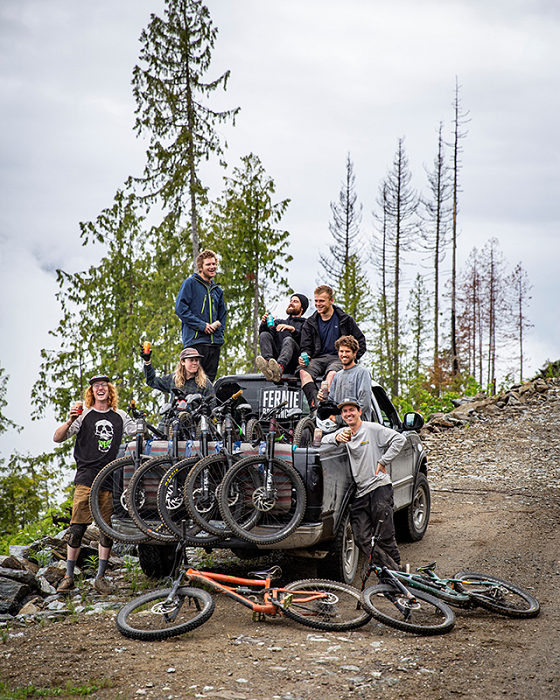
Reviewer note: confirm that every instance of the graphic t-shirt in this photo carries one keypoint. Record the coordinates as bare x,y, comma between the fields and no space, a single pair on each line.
329,334
99,434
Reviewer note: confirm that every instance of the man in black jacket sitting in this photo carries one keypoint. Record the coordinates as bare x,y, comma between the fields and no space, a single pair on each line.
318,336
279,342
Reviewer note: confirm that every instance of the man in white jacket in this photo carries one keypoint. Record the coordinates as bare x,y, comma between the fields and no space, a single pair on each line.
371,448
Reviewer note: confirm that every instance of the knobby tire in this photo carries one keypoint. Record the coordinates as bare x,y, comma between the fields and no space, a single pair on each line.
497,595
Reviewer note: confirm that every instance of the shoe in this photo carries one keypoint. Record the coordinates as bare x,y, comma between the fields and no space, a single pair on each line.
262,366
66,585
103,586
275,369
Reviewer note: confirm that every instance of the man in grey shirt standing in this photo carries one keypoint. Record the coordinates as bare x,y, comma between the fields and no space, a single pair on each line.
371,447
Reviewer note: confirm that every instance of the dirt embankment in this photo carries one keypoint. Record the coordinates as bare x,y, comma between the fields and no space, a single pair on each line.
495,488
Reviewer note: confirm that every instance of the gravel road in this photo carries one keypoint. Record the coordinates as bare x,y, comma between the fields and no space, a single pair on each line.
495,508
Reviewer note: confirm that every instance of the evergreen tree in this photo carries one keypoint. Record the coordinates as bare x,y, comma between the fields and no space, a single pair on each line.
344,266
253,257
5,422
170,92
519,287
418,324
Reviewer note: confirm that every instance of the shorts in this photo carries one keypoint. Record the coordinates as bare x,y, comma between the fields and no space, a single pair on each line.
322,365
81,512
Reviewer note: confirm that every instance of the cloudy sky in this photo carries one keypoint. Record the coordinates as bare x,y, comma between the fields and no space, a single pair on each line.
315,80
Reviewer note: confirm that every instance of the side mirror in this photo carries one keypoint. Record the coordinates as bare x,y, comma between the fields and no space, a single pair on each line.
413,421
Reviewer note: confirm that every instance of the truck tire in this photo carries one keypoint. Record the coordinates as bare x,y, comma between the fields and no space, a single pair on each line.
411,522
156,561
341,563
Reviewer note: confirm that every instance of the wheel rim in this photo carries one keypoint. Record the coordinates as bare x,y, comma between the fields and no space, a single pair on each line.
419,509
349,553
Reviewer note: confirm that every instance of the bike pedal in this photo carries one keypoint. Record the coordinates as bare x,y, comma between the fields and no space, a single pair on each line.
287,601
259,617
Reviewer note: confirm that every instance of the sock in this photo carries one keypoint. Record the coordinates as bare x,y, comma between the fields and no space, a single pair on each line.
311,391
70,566
102,568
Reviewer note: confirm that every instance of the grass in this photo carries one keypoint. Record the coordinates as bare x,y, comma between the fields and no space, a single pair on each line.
68,691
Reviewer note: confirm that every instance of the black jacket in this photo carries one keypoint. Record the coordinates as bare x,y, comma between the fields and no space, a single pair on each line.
296,321
311,340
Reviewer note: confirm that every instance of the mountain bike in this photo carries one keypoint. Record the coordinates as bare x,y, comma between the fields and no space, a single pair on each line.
262,499
316,603
115,476
142,493
418,602
189,491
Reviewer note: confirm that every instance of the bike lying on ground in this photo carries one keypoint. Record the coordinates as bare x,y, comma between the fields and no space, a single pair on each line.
316,603
419,602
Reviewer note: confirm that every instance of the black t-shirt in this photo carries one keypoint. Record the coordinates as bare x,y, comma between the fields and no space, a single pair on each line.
99,434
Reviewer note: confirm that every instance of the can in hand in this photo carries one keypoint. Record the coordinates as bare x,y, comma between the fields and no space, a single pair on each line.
79,405
146,347
325,390
305,357
269,320
317,435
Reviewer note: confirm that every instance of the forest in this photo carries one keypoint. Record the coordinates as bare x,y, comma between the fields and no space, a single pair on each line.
439,333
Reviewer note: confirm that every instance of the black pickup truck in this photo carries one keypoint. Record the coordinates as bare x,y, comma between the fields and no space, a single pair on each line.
325,533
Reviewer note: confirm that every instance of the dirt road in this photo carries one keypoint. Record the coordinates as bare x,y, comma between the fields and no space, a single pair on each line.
495,509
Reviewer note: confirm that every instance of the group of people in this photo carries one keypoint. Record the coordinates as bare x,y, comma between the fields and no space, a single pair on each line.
326,345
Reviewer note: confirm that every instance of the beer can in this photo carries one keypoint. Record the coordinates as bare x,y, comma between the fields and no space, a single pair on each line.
146,347
305,357
269,320
325,390
317,435
79,407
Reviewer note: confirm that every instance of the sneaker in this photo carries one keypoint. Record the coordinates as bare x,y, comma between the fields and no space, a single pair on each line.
275,369
262,366
66,585
103,586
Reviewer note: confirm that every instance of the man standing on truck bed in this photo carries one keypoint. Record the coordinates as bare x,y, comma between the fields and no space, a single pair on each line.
200,306
371,447
318,336
279,340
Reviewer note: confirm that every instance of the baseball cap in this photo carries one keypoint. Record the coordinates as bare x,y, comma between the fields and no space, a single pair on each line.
187,353
349,402
99,378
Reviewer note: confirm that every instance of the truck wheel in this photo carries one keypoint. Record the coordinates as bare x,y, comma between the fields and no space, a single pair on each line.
156,561
341,564
411,522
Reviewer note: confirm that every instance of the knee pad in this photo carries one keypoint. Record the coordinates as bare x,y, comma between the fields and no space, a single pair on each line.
75,533
105,541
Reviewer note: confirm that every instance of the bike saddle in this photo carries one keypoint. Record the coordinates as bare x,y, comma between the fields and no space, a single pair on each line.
425,569
244,407
294,412
275,572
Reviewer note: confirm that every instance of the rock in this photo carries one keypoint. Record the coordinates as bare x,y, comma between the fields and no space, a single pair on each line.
12,593
12,562
46,587
29,609
19,550
52,574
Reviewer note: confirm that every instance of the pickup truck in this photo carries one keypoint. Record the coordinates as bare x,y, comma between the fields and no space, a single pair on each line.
325,533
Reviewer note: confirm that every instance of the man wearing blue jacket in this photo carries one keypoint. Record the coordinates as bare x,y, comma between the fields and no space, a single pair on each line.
200,306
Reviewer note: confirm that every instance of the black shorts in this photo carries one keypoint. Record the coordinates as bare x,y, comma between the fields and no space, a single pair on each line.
322,365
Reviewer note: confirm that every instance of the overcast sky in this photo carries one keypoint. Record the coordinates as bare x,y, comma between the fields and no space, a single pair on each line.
315,80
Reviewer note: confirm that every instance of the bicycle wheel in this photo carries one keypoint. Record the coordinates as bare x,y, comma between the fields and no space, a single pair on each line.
324,605
151,616
172,508
254,430
497,595
142,498
200,494
303,434
422,614
115,477
262,513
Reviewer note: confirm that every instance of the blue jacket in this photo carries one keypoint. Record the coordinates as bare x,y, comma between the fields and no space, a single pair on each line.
199,303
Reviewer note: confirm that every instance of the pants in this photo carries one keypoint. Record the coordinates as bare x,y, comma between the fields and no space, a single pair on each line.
365,513
285,351
210,358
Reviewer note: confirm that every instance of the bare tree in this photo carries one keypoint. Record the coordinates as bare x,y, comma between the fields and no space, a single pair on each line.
460,119
518,287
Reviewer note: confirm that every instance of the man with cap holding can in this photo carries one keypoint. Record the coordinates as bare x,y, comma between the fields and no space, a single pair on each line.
279,340
99,429
371,448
